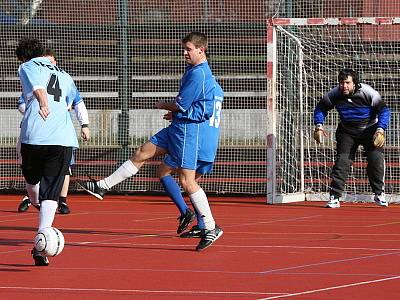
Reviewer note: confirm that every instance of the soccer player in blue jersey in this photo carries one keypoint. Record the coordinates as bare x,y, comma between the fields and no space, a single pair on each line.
47,133
81,113
209,137
193,106
364,117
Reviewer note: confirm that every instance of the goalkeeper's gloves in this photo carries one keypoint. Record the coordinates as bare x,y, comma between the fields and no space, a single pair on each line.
379,137
319,133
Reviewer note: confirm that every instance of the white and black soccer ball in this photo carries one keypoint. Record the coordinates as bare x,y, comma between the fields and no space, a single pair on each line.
49,241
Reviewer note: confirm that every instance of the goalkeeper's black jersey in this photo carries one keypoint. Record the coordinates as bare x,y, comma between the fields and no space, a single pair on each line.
358,111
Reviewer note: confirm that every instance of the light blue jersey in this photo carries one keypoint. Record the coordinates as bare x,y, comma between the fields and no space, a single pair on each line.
57,129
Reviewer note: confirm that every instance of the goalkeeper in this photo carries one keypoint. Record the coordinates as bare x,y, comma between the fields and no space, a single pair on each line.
364,117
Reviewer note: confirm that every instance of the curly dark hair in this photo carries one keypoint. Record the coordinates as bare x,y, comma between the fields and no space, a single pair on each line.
343,74
29,48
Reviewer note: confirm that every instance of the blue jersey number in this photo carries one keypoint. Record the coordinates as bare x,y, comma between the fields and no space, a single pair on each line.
216,117
53,87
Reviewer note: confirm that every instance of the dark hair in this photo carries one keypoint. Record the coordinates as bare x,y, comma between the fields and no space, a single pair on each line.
29,48
50,52
197,38
343,74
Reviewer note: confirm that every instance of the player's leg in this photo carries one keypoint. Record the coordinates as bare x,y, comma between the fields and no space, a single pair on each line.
125,171
31,169
33,191
63,207
195,232
345,147
55,164
375,168
173,190
376,173
199,201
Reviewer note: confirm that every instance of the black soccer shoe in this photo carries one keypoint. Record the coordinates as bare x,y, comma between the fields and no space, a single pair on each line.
185,220
37,206
39,259
92,188
194,232
24,205
208,237
63,208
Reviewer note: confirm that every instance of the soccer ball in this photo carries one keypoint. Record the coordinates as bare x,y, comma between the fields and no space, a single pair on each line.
49,241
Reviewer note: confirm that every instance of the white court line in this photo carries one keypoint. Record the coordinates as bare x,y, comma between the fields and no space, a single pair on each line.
331,288
329,262
137,291
273,221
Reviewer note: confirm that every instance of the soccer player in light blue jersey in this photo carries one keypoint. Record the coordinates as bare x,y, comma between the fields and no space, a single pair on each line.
193,105
47,133
81,113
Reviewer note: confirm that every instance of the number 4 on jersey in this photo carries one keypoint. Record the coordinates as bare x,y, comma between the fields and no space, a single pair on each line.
53,87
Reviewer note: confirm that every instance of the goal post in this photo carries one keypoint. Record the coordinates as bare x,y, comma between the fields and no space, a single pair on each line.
303,60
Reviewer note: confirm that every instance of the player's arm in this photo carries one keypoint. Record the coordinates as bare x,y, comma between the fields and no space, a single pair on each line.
81,112
41,95
21,105
192,90
320,113
170,106
31,84
83,118
383,113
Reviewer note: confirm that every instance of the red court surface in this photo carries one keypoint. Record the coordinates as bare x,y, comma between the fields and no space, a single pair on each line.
125,247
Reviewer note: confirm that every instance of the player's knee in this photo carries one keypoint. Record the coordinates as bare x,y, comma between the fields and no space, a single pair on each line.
139,156
343,159
189,186
31,179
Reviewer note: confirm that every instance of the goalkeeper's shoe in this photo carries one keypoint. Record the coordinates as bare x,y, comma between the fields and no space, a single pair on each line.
24,205
381,200
185,220
333,202
208,237
92,188
39,259
194,232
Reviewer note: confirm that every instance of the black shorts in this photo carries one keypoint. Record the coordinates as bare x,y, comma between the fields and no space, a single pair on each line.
47,164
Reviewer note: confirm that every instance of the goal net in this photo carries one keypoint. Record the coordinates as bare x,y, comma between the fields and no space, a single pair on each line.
304,57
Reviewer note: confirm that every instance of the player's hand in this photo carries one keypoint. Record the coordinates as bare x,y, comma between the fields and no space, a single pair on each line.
168,116
319,133
379,138
85,133
44,112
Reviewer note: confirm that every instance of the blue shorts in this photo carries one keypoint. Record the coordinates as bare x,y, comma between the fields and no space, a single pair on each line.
160,139
203,167
182,142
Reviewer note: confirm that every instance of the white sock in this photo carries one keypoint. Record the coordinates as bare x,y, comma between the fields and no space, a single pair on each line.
200,203
33,192
126,170
47,213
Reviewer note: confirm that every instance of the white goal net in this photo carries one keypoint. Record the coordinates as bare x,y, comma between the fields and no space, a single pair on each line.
305,56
